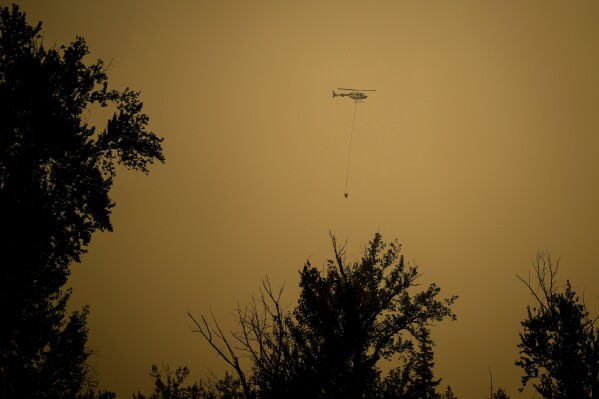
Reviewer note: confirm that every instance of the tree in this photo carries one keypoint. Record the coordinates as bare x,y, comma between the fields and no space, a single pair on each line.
349,319
448,394
56,172
168,384
415,379
263,338
559,346
423,385
500,394
99,394
397,383
345,322
227,387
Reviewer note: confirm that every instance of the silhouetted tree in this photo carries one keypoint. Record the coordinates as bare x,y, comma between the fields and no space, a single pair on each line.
415,379
500,394
55,175
448,394
423,385
396,384
346,320
99,394
227,387
355,315
263,338
168,384
559,346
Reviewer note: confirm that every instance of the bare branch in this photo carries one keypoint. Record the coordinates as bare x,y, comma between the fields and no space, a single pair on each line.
231,358
339,253
260,336
546,273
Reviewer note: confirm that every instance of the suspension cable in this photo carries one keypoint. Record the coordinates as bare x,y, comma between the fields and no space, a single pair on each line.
351,135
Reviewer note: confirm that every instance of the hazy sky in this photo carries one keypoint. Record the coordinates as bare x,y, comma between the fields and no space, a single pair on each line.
478,149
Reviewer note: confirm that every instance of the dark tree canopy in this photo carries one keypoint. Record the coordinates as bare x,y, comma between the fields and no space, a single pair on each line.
169,384
56,172
347,319
355,315
559,348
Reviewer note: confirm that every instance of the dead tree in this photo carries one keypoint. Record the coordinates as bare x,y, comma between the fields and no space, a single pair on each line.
261,337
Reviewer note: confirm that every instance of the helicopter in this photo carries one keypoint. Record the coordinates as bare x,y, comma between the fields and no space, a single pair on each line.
356,94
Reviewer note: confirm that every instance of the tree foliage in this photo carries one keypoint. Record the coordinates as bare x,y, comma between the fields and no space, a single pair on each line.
559,348
168,384
415,378
422,384
347,319
500,394
448,394
56,172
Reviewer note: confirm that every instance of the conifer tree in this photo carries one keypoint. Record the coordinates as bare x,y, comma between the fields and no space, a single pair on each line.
425,385
448,394
500,394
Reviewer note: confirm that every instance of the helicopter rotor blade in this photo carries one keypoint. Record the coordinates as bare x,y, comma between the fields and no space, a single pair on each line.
340,88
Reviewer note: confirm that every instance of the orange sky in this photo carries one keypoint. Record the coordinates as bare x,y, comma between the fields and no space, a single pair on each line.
478,149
